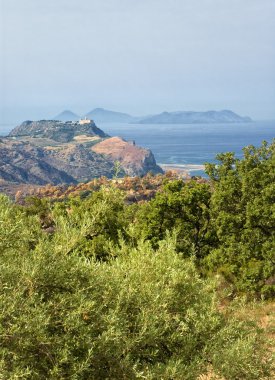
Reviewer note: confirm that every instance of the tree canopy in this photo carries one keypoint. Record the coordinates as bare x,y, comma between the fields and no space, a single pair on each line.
93,287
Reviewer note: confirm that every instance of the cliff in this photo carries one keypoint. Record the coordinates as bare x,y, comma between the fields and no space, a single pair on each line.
134,160
49,151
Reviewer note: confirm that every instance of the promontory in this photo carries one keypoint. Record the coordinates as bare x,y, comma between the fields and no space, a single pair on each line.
55,152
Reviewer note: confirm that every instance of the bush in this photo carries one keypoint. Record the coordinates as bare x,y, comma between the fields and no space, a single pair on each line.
243,215
144,315
184,207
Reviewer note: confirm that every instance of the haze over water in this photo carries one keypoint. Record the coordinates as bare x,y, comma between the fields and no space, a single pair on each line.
139,57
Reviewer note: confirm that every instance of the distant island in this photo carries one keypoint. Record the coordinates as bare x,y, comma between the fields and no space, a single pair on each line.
190,117
105,116
67,115
101,115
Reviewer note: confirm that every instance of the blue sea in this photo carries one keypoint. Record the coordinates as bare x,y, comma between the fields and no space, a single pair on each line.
189,146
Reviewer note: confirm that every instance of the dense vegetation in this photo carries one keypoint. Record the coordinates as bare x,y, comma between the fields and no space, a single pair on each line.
96,287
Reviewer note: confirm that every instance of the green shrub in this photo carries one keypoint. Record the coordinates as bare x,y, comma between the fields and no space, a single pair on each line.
181,207
243,216
144,315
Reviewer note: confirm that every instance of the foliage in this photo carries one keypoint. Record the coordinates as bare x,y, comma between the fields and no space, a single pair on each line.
144,315
88,227
243,215
183,207
227,223
96,287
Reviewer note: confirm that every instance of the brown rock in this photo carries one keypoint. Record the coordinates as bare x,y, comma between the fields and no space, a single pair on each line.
134,160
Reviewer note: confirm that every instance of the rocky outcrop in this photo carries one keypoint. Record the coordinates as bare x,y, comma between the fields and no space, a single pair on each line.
56,130
51,152
133,159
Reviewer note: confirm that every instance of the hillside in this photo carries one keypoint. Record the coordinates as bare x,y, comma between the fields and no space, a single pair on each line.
190,117
22,162
50,151
56,130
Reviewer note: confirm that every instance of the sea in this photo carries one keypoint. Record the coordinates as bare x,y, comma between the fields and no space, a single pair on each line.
189,146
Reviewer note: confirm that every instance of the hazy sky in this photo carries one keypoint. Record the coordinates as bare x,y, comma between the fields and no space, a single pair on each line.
137,56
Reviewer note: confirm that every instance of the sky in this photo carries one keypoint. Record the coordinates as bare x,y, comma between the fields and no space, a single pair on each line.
136,56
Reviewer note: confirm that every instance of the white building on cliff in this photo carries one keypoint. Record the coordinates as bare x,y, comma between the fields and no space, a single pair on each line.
85,121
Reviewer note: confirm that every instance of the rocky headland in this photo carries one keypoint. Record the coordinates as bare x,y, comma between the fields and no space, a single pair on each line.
56,152
133,159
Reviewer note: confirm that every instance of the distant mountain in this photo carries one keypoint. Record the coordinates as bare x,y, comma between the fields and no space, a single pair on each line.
190,117
67,115
100,115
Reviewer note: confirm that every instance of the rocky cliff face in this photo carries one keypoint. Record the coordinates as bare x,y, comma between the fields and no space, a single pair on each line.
54,152
133,159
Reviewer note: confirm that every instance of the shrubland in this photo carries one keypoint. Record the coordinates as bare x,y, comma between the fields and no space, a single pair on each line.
96,287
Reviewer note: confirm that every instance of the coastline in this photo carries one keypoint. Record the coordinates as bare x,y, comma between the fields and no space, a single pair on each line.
182,169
